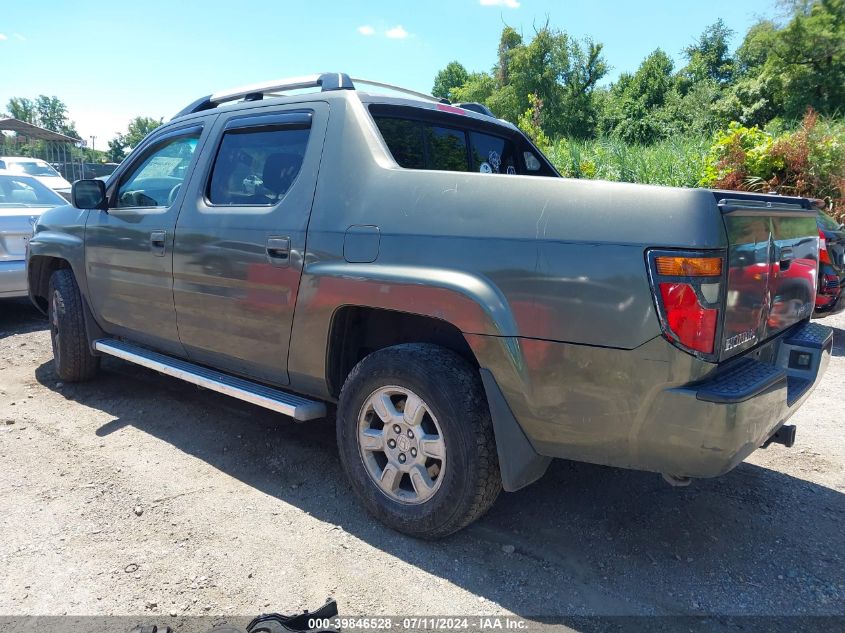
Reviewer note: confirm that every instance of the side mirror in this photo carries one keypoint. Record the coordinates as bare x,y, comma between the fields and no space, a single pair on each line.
89,194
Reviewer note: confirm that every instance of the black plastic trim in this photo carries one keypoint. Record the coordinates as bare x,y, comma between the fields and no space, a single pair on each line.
746,379
300,120
519,464
201,104
335,81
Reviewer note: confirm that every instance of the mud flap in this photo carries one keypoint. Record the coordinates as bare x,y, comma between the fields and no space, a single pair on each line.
519,463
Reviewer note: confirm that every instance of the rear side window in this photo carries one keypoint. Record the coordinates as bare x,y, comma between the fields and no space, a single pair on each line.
447,148
404,138
420,144
256,166
492,154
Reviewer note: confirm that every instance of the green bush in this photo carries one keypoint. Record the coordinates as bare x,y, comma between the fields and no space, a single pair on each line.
808,160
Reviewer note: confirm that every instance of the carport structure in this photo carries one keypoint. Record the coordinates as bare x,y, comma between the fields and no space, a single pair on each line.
55,149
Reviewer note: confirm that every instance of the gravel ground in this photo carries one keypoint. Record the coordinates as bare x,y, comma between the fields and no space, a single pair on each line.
139,494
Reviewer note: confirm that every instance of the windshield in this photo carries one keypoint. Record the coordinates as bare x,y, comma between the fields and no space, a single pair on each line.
23,191
32,168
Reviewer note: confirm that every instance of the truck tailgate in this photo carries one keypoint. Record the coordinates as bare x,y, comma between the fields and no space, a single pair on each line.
772,267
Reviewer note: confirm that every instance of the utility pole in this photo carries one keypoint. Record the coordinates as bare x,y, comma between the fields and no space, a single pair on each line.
93,154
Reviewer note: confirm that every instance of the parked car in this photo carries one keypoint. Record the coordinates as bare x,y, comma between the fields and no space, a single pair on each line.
22,200
831,266
423,266
41,170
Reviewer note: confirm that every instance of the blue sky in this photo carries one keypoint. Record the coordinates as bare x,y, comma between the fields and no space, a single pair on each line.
110,60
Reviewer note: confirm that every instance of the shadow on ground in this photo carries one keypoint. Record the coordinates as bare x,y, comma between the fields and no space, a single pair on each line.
18,316
587,539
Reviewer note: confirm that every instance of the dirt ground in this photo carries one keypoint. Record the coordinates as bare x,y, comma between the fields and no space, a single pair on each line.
139,494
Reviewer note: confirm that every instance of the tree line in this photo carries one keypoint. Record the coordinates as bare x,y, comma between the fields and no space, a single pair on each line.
550,83
51,113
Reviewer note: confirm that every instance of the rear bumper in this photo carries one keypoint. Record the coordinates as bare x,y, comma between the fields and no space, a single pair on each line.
653,408
705,429
13,279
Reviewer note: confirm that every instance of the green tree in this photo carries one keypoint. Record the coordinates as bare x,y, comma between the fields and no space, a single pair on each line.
117,149
479,87
809,56
509,40
784,70
136,131
709,57
44,111
560,71
451,77
632,109
23,109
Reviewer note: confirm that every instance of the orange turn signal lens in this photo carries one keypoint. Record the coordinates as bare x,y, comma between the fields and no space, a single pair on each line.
689,266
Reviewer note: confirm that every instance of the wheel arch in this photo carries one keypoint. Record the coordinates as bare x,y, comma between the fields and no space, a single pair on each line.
38,271
357,331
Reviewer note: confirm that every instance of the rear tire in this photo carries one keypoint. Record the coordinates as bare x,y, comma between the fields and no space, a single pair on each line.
430,468
72,356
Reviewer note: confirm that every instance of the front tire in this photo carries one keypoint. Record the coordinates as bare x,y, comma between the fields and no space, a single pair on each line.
416,440
72,356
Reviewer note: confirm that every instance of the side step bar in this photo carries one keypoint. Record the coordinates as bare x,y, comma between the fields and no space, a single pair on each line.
297,407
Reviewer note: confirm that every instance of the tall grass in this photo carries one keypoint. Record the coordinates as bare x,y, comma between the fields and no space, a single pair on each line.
677,162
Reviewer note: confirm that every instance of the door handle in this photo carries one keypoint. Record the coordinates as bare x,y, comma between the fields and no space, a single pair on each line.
157,242
278,251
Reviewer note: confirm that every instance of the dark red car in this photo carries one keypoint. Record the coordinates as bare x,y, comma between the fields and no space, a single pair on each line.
831,266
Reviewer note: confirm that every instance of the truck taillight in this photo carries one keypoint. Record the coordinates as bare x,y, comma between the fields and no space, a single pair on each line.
692,324
824,256
687,289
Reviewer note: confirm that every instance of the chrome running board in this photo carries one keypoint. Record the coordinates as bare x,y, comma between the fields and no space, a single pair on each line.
297,407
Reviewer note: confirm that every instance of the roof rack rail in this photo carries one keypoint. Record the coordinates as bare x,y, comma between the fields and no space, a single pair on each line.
324,81
414,93
256,92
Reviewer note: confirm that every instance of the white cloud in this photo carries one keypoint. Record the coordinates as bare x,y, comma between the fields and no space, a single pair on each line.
510,4
3,37
19,37
396,33
366,30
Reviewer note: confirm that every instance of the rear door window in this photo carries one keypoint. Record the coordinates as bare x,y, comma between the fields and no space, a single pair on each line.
256,166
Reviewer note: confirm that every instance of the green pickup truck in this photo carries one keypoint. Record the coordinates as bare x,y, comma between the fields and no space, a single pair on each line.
421,265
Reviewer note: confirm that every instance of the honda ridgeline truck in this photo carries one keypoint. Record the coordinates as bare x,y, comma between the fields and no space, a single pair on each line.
422,266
